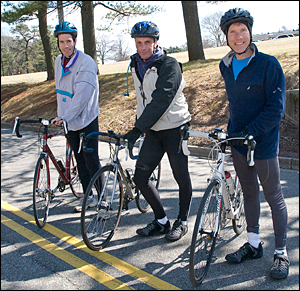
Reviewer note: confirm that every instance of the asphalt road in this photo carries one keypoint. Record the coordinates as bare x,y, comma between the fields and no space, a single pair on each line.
56,257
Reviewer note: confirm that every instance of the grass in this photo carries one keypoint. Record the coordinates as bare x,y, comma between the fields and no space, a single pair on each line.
204,90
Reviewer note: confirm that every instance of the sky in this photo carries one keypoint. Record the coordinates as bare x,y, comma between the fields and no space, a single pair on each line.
268,17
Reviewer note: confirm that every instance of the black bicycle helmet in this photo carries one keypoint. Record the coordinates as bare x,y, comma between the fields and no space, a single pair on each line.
236,15
145,29
65,27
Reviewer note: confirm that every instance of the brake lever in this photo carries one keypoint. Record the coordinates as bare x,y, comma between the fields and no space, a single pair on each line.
250,152
80,141
16,127
65,126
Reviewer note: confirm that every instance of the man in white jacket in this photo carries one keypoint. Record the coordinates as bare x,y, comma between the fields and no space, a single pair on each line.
77,91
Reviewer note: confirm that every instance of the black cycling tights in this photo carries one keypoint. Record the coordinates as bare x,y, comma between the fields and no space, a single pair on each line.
268,173
157,143
87,162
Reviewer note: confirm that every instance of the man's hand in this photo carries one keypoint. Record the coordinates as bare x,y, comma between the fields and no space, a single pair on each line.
240,142
57,121
132,136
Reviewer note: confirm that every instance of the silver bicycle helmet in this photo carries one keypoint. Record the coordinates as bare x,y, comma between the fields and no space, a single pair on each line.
145,29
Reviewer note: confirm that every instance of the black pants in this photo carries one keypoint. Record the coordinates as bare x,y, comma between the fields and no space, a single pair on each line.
87,163
155,145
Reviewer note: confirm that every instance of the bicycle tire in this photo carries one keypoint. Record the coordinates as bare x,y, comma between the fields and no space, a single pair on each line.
41,192
205,234
141,203
239,224
99,225
75,183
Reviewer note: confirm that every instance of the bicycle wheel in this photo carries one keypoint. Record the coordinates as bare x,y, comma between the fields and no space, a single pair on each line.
41,192
206,230
141,202
75,183
239,222
98,224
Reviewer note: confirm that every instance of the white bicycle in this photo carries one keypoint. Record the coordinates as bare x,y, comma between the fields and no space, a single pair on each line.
222,201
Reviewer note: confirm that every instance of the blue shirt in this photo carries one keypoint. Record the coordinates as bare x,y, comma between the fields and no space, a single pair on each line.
239,65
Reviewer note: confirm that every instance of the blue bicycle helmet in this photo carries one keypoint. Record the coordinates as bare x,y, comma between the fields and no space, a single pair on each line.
65,27
145,29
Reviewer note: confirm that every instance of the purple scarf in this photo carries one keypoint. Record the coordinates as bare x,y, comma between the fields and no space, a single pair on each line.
143,65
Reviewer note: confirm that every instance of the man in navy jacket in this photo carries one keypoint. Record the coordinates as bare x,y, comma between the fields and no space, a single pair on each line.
255,86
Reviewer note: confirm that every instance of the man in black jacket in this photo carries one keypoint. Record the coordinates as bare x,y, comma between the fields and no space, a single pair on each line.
161,111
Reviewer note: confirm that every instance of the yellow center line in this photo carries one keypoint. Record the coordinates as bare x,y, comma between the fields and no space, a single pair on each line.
69,258
101,255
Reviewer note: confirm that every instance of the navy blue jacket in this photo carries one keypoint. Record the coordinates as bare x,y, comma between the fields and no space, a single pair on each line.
257,100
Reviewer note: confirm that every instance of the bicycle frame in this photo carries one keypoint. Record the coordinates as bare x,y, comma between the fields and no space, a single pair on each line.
118,168
47,152
219,172
114,161
219,175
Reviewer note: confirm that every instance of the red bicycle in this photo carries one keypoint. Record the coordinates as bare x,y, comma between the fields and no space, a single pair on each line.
43,194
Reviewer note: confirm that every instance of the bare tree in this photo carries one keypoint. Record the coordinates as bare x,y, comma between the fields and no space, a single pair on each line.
212,24
104,46
121,49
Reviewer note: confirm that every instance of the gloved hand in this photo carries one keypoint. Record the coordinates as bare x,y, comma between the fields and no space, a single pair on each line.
240,142
132,136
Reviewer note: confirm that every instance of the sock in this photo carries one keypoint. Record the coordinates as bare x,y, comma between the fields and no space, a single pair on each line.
92,196
163,221
184,222
280,252
253,239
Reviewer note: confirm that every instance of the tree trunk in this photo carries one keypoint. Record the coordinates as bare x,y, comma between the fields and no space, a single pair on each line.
26,56
42,16
192,30
60,11
88,30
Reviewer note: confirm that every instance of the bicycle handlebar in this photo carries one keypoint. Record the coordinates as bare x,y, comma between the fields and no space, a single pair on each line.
45,123
84,140
217,135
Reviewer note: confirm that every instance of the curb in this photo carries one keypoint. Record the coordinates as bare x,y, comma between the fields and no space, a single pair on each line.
201,152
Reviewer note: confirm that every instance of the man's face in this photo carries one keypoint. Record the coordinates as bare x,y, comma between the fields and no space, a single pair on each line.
145,47
238,37
66,44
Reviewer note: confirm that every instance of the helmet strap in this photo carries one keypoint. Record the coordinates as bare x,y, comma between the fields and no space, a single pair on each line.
243,51
69,57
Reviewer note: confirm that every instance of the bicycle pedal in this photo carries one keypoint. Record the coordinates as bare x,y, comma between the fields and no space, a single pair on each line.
103,205
103,214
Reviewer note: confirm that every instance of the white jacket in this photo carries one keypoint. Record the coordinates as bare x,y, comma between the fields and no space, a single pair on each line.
77,90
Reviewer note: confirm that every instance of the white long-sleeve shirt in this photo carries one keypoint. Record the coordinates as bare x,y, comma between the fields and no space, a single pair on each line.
77,90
